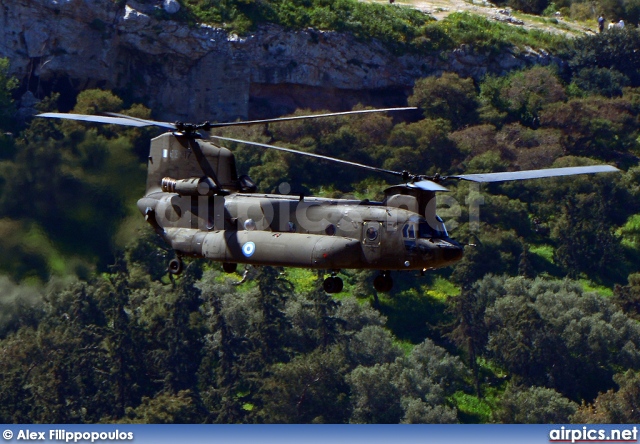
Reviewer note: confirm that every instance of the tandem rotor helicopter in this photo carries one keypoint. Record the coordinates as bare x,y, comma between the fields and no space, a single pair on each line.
196,201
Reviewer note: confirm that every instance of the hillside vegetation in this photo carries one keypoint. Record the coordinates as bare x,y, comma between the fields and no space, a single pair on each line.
402,29
537,324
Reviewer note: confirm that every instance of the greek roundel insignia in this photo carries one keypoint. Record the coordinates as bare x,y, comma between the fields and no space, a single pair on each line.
248,249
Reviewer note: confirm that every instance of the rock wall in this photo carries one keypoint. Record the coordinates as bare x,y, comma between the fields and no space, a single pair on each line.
198,73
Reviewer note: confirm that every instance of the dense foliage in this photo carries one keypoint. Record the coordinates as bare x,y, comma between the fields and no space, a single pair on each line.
538,323
613,10
399,28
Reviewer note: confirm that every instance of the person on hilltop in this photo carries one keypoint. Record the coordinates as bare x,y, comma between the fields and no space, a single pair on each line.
601,23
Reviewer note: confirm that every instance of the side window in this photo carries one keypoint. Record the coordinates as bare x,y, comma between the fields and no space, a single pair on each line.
371,234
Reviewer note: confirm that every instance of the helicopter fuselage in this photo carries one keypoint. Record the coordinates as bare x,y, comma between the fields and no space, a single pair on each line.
198,204
309,232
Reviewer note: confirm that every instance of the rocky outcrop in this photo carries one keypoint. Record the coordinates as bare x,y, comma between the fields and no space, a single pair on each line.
195,73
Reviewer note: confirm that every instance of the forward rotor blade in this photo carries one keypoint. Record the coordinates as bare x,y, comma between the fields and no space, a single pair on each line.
427,185
304,153
312,116
535,174
99,119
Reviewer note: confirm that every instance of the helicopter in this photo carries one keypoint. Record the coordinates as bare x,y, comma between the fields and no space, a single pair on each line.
196,201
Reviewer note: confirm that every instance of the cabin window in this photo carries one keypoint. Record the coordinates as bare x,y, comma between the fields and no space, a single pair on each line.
330,230
371,234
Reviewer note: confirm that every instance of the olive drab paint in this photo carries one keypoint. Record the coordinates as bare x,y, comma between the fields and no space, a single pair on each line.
198,204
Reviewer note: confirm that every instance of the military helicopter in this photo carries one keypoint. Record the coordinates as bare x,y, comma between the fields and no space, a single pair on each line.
196,201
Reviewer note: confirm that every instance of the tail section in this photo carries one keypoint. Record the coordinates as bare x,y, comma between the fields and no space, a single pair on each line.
173,156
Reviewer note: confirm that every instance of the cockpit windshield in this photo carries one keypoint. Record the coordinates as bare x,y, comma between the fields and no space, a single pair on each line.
435,230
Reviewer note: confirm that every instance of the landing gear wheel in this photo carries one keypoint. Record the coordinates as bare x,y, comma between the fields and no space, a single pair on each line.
229,267
175,266
332,284
383,283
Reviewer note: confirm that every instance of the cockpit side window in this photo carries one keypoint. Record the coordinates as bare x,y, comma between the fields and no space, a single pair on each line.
409,235
436,230
408,231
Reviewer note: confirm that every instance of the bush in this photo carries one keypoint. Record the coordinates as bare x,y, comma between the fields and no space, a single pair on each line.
529,6
582,11
603,81
614,49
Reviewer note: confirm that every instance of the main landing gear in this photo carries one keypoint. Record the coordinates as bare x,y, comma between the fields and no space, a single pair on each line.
229,267
333,284
383,282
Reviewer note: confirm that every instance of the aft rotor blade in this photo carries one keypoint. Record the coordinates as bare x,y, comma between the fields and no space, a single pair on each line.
311,116
145,121
535,174
317,156
127,121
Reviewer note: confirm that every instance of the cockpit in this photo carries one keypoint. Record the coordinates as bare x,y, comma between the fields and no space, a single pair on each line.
430,242
414,230
425,230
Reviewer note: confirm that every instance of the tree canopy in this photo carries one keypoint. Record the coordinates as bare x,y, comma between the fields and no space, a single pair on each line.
538,322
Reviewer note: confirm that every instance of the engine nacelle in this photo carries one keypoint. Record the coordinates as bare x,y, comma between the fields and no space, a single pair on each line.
195,186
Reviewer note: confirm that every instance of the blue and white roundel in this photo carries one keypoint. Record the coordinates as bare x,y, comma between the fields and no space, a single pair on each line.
248,249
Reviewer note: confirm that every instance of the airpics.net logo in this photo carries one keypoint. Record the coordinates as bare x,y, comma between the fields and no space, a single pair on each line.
587,434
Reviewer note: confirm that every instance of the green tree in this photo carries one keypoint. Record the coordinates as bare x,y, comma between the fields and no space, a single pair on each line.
534,405
611,50
221,375
468,330
529,6
585,238
448,96
552,334
424,146
519,96
311,388
164,409
375,398
602,81
62,177
7,108
627,297
614,407
594,126
528,91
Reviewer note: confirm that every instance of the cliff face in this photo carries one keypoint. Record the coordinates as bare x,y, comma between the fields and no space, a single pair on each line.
197,73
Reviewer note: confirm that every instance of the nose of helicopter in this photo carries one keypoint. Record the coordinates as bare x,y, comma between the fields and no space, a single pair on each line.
452,252
440,253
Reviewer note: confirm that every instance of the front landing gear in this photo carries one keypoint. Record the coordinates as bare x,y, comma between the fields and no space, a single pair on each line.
383,282
332,284
175,266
